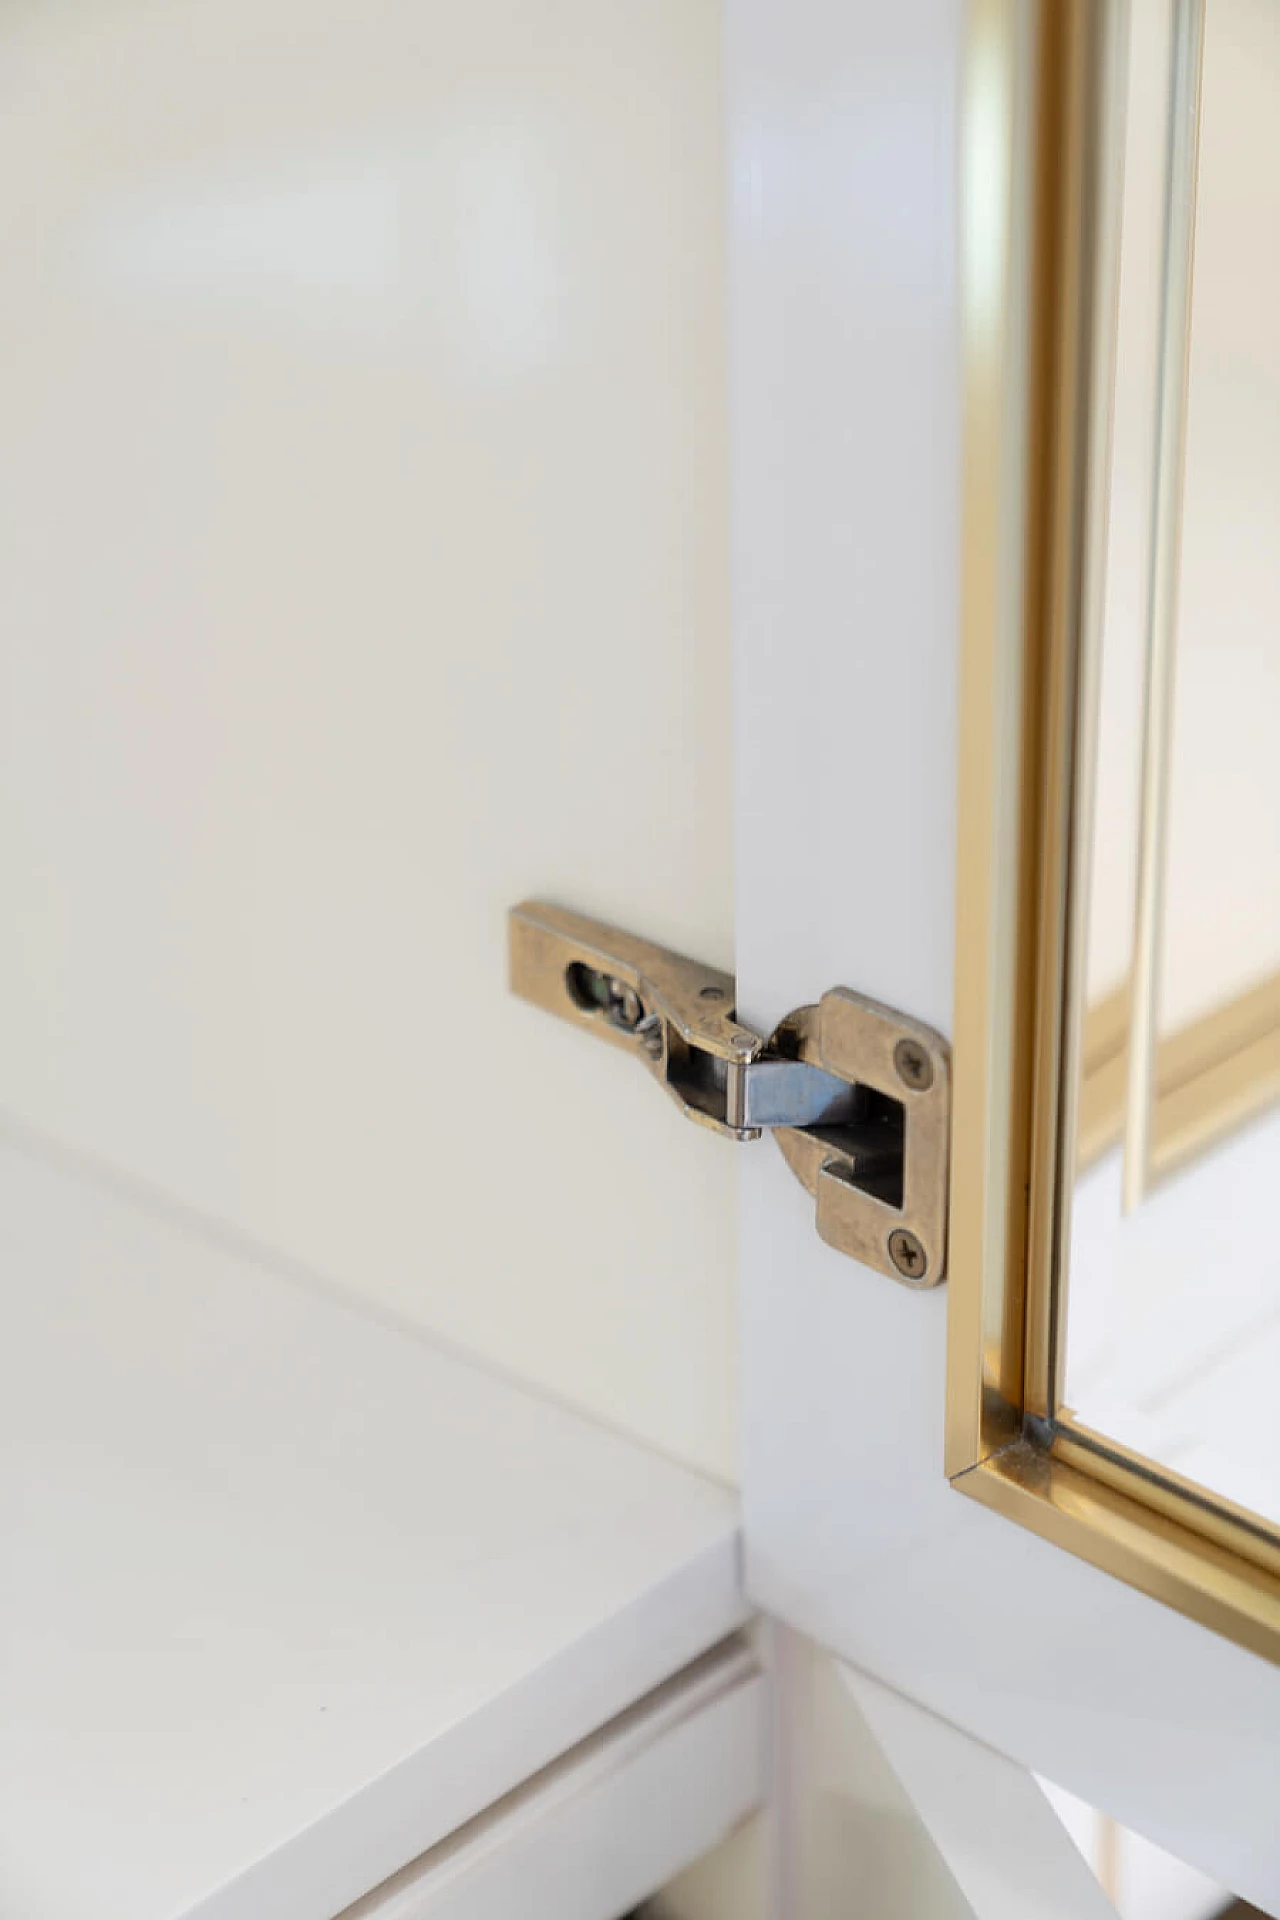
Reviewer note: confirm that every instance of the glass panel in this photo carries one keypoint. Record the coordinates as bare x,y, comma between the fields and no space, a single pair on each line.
1173,1313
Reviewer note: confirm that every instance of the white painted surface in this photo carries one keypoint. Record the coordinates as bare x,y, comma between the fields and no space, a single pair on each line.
289,1595
1145,1881
844,402
363,540
848,1839
1006,1847
605,1826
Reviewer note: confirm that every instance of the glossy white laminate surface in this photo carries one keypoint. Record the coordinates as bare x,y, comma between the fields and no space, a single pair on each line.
288,1594
363,571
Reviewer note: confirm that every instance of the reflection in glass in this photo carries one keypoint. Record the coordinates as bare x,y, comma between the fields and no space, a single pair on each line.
1173,1341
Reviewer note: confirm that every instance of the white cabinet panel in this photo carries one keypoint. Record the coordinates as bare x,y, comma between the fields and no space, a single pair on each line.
363,547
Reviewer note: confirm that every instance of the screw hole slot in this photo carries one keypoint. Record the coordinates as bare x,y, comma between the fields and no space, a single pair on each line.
594,991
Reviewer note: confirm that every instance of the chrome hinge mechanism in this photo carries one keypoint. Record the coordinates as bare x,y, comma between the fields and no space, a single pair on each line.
857,1096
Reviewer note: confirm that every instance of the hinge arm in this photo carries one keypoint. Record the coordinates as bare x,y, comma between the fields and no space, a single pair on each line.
846,1086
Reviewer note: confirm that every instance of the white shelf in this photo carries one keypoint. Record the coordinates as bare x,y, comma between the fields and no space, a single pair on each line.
614,1820
289,1595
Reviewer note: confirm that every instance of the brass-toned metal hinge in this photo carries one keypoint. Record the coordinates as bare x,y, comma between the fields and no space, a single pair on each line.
857,1096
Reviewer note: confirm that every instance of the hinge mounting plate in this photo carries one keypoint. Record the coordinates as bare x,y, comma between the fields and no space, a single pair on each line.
857,1095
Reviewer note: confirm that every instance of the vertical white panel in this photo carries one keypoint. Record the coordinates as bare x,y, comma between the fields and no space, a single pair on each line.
850,1840
844,496
363,570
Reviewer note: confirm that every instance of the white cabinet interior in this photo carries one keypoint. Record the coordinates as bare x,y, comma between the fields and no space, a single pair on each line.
294,1595
364,529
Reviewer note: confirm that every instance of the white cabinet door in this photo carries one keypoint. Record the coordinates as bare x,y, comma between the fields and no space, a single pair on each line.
844,148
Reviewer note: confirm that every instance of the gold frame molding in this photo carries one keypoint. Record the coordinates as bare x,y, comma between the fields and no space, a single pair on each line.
1044,91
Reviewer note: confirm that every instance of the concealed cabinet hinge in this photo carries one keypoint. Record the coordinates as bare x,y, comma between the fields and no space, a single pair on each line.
857,1096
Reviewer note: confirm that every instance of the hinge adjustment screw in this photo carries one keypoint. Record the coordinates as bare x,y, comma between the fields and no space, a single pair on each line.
915,1069
907,1254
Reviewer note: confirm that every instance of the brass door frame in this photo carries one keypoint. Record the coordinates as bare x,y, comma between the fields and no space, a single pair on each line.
1044,92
